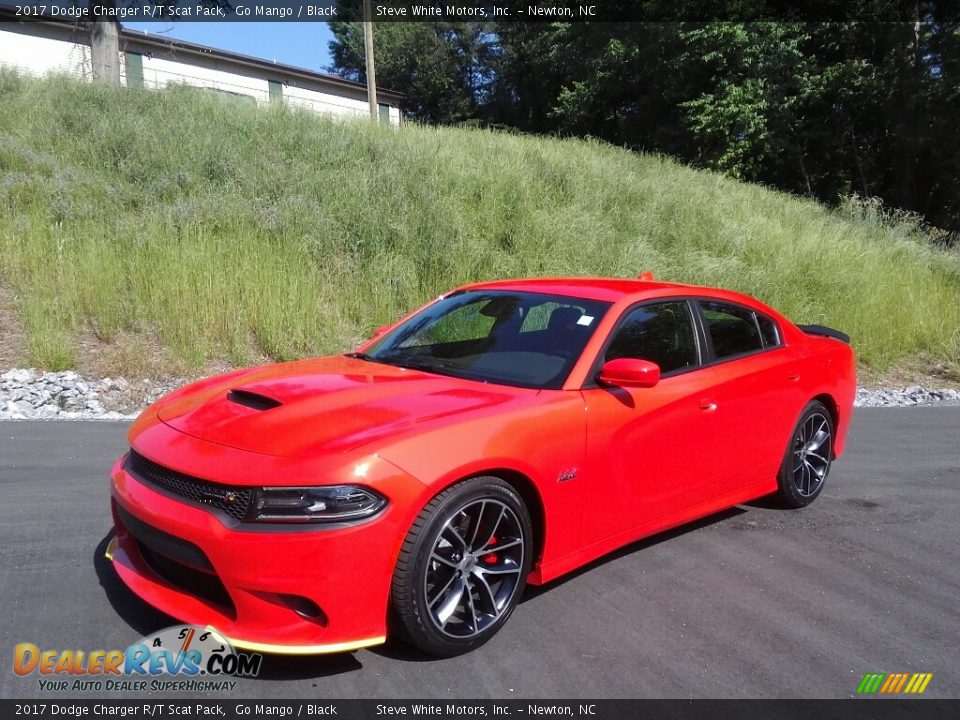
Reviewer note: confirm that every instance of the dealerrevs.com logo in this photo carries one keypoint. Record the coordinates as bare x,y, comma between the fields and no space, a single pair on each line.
183,657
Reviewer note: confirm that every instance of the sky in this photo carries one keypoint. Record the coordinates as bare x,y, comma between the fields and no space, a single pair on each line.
300,44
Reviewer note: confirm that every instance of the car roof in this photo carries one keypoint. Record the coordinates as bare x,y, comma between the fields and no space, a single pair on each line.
609,289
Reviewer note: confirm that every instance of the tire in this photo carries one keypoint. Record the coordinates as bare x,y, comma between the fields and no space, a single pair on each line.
462,567
806,462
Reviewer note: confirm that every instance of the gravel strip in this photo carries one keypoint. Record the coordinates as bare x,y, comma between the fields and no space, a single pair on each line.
28,394
908,396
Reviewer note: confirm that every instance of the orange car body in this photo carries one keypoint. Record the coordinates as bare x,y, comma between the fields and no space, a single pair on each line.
598,467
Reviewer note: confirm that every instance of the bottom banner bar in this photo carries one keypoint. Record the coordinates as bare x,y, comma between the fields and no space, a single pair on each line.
888,709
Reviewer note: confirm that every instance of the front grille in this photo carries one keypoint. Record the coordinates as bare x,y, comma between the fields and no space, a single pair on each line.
234,501
202,585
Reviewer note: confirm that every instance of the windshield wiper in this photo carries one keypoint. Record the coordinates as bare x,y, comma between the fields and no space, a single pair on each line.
414,362
410,362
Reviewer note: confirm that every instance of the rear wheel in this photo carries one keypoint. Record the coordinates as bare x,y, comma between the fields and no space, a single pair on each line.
462,567
806,463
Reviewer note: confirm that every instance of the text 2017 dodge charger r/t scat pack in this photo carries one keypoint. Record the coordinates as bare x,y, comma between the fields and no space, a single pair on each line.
504,434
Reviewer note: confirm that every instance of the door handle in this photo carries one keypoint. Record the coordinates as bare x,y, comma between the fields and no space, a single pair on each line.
708,405
793,377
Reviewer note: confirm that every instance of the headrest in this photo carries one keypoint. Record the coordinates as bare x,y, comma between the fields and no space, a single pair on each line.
564,318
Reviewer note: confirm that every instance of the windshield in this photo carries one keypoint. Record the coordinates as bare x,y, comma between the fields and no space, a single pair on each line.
512,338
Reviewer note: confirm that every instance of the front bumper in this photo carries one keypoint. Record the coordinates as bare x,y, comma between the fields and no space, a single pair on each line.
248,583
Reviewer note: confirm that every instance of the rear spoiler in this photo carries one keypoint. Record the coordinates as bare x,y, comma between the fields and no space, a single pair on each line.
825,332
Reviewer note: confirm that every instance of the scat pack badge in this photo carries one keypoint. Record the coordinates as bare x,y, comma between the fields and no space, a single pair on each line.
185,652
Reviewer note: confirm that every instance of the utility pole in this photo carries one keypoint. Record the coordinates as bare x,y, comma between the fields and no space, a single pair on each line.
371,71
105,48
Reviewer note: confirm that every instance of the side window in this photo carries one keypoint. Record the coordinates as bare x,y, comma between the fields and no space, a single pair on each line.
768,331
662,333
733,330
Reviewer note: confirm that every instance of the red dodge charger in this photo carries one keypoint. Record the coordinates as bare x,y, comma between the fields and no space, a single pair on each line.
506,433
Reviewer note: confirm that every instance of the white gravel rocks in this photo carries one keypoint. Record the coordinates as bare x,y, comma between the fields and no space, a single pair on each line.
29,394
912,395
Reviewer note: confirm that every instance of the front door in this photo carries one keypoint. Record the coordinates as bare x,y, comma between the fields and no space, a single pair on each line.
650,451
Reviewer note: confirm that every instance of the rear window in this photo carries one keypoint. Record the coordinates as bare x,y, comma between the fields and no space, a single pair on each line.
733,330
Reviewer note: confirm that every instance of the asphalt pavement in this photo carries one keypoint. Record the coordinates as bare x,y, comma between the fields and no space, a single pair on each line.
753,602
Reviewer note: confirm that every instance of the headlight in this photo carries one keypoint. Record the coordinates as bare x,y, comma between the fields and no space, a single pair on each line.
331,503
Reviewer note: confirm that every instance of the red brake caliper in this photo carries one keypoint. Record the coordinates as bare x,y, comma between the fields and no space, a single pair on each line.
490,557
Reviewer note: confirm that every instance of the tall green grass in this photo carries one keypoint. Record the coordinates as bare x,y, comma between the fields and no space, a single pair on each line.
232,232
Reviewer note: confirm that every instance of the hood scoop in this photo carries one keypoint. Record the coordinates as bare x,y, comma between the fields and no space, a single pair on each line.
252,400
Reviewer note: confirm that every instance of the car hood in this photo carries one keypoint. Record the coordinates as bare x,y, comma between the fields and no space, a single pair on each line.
332,404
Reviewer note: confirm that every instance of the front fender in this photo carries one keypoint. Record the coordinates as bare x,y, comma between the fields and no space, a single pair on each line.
546,443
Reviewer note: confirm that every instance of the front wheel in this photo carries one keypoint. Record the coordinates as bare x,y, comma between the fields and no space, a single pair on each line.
806,463
462,567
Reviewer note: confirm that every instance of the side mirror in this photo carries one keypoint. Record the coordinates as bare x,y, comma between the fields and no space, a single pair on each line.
630,372
379,331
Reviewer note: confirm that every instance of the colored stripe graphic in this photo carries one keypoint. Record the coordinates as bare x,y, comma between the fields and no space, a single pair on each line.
898,686
894,683
888,683
871,682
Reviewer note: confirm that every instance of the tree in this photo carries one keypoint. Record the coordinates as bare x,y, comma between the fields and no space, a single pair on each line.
749,119
619,84
438,66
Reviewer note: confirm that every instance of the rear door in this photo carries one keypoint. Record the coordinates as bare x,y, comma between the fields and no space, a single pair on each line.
754,386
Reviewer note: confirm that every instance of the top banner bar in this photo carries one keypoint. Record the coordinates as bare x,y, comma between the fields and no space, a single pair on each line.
544,11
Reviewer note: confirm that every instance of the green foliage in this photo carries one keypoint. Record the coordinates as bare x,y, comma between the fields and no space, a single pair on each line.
231,231
435,64
823,110
758,81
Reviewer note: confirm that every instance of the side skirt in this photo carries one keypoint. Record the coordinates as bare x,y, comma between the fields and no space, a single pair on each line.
554,569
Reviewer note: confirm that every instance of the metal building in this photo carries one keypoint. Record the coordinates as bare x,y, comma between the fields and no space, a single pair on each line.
151,61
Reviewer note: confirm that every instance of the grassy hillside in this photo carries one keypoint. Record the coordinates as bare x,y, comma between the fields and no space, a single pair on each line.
205,229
